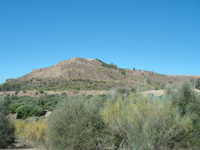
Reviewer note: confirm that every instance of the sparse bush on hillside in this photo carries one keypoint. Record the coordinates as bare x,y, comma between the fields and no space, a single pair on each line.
6,127
9,86
148,81
17,91
41,92
122,71
76,123
107,65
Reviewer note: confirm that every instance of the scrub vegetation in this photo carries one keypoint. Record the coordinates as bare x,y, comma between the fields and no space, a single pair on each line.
124,120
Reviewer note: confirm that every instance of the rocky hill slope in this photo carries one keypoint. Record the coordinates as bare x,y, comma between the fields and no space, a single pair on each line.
88,74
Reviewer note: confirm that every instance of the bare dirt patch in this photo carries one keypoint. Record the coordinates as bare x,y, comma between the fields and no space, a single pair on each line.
155,92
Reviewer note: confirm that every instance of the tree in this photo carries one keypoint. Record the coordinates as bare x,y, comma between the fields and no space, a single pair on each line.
6,128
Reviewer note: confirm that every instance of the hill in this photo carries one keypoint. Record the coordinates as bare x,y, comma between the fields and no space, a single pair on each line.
88,74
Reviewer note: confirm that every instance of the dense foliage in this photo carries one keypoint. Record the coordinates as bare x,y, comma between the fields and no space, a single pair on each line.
29,110
145,121
31,106
77,124
6,127
188,101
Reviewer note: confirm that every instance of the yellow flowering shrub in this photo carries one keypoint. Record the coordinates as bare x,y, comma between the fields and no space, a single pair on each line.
32,130
145,121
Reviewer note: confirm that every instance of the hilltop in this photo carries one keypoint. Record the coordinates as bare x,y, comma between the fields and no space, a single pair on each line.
89,74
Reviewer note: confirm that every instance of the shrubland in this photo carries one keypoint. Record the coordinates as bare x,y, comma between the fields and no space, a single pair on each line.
136,120
124,120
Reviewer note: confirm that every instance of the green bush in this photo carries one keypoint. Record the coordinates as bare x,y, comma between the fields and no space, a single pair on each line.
29,110
76,123
10,86
25,106
122,71
47,102
16,92
198,83
13,107
41,92
107,65
188,102
6,127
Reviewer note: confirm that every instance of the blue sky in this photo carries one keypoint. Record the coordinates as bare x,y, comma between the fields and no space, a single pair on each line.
157,35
